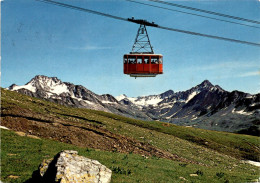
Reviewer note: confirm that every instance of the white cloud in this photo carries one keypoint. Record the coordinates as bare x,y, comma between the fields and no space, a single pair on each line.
241,75
227,65
247,74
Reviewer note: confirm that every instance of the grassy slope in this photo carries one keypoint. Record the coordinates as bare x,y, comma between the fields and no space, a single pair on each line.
27,153
239,146
215,151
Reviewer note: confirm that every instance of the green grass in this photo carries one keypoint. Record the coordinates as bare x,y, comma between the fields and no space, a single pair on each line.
218,153
22,155
236,145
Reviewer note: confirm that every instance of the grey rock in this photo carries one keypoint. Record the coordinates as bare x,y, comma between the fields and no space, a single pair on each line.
68,167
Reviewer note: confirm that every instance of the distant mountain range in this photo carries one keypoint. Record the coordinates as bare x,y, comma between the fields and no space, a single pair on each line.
205,106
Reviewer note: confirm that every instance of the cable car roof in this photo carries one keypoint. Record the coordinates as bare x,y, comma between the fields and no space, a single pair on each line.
148,54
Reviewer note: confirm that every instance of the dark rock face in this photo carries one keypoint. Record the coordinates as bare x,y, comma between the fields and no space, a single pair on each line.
205,105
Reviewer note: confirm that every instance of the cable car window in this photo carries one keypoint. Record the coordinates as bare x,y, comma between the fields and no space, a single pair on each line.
131,60
139,60
154,60
160,60
125,60
134,60
146,60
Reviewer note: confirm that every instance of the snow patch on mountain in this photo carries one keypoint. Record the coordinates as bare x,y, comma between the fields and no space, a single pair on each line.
145,102
108,102
29,87
167,105
59,89
194,118
193,94
88,102
121,97
141,101
242,112
169,117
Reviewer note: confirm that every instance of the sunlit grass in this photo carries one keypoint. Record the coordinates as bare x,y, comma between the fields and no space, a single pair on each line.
22,155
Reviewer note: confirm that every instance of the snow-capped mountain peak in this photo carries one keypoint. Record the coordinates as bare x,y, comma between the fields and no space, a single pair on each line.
200,103
51,85
170,98
121,97
144,101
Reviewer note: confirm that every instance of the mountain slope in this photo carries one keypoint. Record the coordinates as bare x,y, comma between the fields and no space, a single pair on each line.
53,89
205,106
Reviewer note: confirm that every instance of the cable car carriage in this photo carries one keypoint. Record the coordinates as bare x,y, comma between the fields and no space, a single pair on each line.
141,61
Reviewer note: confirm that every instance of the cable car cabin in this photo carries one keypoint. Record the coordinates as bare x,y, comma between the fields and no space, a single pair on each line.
143,65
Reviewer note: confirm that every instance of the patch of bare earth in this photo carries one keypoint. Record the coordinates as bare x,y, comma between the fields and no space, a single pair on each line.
79,134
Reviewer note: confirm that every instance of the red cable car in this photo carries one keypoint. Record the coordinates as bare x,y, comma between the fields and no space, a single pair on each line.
143,65
141,61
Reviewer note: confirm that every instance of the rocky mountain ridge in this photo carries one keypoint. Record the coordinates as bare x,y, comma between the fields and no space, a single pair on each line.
205,105
65,93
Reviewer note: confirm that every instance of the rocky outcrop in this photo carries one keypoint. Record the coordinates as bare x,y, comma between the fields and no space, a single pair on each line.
67,166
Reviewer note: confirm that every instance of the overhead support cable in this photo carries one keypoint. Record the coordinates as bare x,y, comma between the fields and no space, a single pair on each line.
206,11
144,22
209,36
194,14
82,9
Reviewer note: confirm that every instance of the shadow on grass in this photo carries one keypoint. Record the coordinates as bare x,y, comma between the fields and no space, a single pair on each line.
48,177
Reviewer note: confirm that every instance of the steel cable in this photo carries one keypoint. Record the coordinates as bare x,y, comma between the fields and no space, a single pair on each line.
149,24
192,14
206,11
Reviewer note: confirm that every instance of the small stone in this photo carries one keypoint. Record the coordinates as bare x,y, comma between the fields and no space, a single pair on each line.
182,178
13,177
11,154
3,127
193,175
56,124
33,137
21,134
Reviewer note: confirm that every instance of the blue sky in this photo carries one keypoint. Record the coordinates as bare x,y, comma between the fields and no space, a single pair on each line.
87,49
